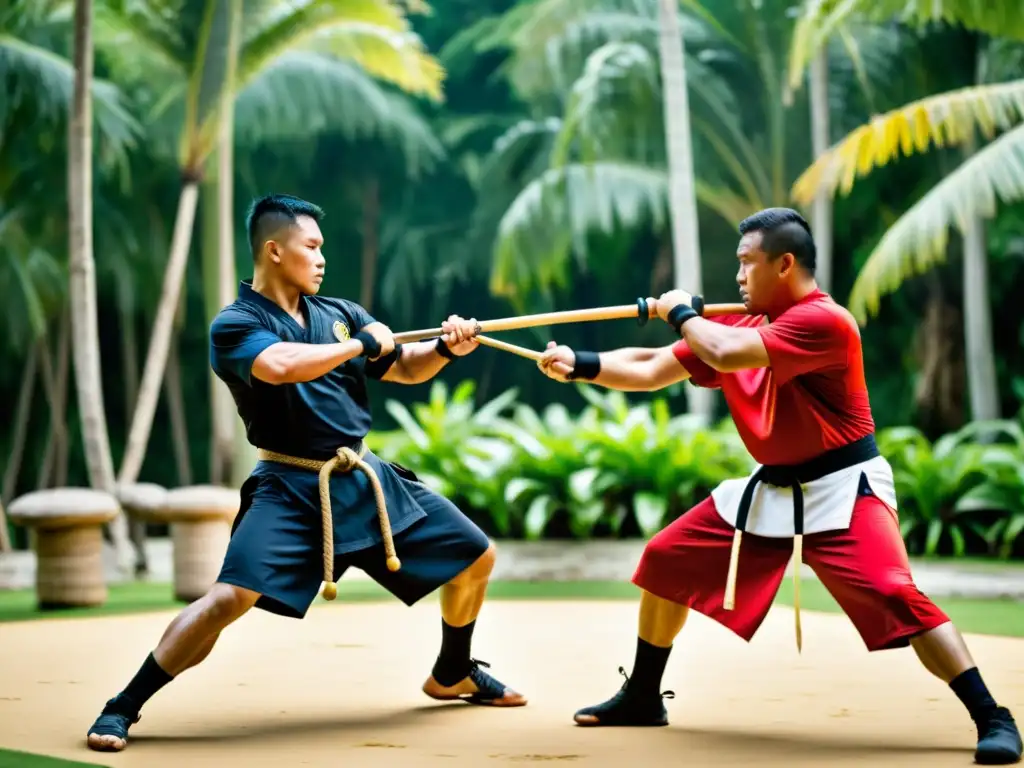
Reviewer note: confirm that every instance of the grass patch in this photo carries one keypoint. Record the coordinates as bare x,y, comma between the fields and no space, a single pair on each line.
12,759
988,617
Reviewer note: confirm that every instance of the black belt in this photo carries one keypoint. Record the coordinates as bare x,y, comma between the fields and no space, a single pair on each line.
794,476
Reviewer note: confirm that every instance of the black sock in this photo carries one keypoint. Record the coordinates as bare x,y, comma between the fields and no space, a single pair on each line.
971,690
453,661
648,668
147,681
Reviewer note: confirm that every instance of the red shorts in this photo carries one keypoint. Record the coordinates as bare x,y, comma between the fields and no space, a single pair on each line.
865,568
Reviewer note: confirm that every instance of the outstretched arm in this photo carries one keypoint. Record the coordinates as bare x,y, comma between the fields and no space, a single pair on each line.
423,360
630,369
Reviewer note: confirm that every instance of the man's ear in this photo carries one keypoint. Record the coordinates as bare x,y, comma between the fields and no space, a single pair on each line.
787,263
272,251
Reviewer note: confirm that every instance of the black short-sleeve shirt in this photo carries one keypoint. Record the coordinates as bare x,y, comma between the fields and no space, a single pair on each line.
310,419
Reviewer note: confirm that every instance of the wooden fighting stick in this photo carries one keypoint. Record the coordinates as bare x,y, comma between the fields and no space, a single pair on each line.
641,311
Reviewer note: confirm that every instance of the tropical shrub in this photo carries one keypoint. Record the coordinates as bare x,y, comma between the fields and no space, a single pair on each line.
625,467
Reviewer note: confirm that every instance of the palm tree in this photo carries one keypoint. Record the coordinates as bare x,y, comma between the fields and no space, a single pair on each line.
597,64
311,41
682,199
964,198
46,91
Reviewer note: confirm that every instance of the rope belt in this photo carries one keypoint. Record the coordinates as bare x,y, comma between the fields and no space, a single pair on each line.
793,476
344,460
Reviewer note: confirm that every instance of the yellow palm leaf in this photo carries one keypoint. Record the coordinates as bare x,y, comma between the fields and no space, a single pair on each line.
918,239
823,18
375,34
943,120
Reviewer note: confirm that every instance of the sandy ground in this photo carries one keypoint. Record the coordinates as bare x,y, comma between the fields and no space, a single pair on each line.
342,688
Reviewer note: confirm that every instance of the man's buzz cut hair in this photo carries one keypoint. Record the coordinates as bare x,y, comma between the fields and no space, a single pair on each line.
783,230
269,214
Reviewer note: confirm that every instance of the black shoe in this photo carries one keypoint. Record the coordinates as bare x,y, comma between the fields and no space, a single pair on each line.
110,731
999,740
627,708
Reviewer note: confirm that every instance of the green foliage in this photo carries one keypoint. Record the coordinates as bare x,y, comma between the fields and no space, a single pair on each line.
622,469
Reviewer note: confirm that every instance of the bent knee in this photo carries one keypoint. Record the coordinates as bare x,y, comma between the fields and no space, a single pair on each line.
481,568
224,603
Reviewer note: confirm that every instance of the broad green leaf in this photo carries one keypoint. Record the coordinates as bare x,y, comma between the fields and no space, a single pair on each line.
934,534
650,511
518,486
582,482
538,515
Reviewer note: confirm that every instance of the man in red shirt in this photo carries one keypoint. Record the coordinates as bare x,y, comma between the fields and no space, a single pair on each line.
792,374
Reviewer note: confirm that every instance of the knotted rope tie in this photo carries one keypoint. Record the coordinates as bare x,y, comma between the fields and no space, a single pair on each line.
344,460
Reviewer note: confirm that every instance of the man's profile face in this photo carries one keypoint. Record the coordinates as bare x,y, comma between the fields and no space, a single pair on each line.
295,252
759,276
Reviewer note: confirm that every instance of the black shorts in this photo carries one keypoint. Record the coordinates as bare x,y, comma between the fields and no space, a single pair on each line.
277,551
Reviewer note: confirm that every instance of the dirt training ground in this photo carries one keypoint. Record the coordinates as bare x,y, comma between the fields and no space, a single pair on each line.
342,688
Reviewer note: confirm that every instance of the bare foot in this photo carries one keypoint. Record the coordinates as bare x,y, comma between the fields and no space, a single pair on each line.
106,743
478,688
110,731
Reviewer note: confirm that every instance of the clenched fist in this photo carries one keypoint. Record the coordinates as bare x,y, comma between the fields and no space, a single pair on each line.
671,299
460,335
557,362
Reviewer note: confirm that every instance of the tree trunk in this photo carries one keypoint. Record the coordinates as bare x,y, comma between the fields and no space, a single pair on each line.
982,385
661,275
176,410
225,451
129,341
22,415
163,327
821,212
682,193
938,394
371,242
210,244
5,536
53,468
82,270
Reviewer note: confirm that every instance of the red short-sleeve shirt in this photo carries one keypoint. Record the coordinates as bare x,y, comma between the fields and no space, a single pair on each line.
812,398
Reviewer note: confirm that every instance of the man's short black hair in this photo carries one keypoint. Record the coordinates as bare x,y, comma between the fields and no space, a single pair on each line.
783,230
268,214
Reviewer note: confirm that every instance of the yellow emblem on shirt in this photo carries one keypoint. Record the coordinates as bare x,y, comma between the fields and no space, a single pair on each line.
341,331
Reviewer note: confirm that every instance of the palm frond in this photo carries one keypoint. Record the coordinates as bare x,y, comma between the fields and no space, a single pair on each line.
614,108
551,66
300,94
46,81
399,58
140,42
942,120
918,239
822,18
521,153
555,214
374,33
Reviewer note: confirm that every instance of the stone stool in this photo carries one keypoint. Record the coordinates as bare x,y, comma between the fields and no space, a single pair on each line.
68,526
200,517
142,503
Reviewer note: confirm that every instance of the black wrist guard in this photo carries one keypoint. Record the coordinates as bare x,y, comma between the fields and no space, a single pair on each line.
588,366
371,347
443,349
680,313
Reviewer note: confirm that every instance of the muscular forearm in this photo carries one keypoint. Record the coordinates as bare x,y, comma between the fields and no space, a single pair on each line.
725,348
290,362
638,369
627,369
419,362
